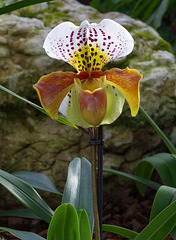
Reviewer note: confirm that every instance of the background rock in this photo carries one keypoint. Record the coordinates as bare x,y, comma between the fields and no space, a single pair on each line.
53,145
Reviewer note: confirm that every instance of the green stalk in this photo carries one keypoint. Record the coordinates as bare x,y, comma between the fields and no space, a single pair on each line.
20,4
165,139
17,161
93,137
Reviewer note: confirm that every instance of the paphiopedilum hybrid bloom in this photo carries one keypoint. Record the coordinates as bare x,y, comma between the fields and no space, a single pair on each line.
89,97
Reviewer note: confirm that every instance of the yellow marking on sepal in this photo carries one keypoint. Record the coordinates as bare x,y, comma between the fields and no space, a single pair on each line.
127,82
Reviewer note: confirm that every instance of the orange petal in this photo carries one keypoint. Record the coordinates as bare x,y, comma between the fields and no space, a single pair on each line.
52,89
127,82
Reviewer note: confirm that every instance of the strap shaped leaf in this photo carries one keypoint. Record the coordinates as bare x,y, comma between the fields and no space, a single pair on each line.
23,235
164,164
26,195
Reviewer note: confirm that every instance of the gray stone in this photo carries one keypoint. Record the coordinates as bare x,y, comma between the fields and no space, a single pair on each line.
53,145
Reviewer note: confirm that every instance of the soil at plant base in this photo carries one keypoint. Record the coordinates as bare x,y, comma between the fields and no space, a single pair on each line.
131,212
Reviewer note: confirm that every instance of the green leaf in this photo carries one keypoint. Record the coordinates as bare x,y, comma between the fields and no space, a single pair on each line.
164,164
95,4
24,213
78,188
20,4
164,138
151,7
60,119
37,180
119,230
139,8
23,235
84,226
156,17
64,224
165,195
26,195
154,230
137,179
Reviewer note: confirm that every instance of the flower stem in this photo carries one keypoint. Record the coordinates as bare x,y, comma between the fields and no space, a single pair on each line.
100,176
93,137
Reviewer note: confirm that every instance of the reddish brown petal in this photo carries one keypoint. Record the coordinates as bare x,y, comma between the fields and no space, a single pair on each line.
52,89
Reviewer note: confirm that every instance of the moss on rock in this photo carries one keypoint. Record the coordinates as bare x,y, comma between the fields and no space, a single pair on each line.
164,45
50,14
144,34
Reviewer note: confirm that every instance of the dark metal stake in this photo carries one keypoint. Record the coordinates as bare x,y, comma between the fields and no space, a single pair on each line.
100,177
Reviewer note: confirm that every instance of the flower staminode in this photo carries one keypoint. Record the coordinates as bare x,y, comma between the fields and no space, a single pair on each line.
89,97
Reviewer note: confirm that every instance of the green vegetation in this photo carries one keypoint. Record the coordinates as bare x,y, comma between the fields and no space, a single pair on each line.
145,35
164,45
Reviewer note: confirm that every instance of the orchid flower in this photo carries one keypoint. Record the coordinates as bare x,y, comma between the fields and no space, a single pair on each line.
89,97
